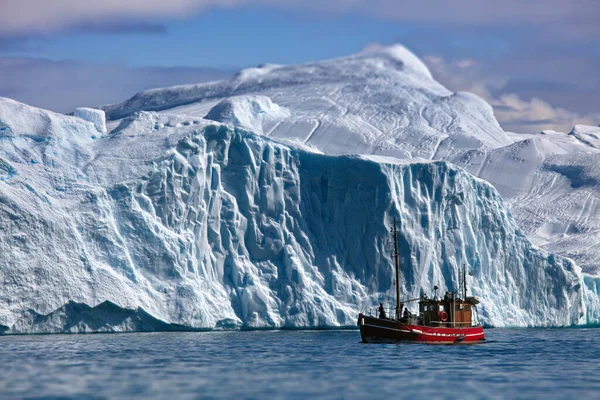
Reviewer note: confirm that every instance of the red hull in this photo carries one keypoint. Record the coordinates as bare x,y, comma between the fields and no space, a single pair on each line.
386,330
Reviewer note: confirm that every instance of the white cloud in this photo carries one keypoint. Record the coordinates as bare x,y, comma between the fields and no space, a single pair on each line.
513,112
536,115
43,16
466,63
458,75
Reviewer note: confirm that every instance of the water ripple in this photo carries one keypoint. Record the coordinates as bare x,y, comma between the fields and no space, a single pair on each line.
519,363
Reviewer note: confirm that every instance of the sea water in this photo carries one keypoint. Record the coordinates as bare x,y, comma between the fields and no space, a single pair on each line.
512,363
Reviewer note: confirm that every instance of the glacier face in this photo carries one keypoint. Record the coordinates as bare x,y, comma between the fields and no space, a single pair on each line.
185,222
97,117
385,102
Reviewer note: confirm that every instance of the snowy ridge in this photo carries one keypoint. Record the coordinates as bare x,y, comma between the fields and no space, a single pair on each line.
197,224
384,102
588,135
257,113
551,184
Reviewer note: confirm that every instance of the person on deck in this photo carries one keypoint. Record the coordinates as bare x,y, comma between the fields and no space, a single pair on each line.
381,311
406,313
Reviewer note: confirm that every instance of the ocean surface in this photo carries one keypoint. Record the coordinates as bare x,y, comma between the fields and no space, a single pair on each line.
513,363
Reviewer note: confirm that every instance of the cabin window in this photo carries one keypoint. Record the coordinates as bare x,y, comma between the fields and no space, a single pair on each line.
424,308
467,307
441,307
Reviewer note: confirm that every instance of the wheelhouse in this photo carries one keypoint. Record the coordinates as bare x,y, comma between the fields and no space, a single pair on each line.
451,311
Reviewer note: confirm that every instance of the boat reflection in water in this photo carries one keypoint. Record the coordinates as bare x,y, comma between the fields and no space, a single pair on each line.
450,320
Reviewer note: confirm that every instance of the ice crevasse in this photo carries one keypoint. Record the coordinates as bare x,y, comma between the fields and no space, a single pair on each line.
200,225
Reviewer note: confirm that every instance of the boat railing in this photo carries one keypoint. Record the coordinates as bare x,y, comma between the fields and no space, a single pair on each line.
390,312
450,323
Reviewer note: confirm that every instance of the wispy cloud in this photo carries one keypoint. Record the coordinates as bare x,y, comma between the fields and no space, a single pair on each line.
21,43
62,86
42,16
535,115
121,27
514,112
565,20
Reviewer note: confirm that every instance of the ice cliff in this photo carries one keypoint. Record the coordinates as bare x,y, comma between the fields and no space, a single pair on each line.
172,222
92,115
384,101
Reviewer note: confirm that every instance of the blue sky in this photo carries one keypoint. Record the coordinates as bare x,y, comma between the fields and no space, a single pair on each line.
535,61
251,35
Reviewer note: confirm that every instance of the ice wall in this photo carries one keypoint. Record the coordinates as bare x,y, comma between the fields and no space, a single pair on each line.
200,225
92,115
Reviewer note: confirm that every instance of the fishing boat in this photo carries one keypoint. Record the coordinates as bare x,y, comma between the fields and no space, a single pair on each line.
447,320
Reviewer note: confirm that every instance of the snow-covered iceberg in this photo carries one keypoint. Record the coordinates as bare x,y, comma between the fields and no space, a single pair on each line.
173,221
384,101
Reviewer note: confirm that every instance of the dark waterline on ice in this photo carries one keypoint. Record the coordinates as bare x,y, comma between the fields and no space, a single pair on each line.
513,363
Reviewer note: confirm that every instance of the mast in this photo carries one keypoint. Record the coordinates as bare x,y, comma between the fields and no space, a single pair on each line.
465,281
395,231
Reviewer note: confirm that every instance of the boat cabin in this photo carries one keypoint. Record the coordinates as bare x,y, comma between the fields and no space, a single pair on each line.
450,311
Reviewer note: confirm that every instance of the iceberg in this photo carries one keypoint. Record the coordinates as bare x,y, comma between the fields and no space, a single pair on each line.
384,101
172,222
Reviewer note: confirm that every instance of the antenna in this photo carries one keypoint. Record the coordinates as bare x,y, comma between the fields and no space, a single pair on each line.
459,291
465,281
395,233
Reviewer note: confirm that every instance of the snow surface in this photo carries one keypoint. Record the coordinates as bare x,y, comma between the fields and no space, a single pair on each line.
588,135
257,113
172,221
379,101
384,101
92,115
